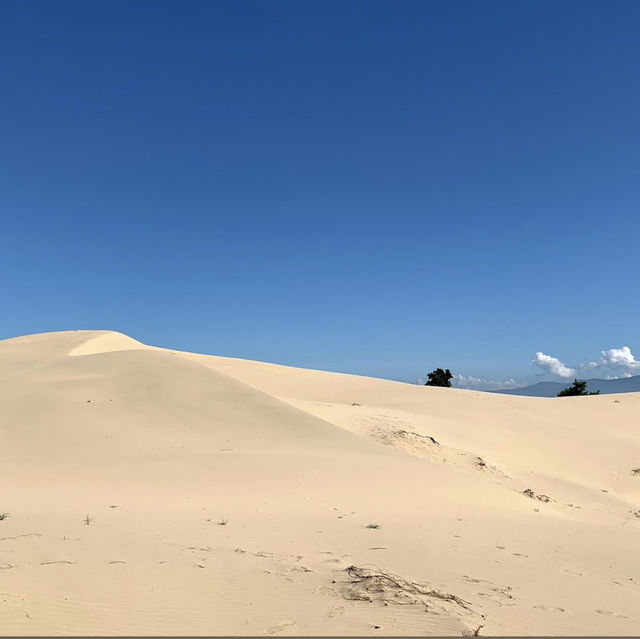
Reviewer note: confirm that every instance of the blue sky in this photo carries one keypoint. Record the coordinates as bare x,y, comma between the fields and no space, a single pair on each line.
370,187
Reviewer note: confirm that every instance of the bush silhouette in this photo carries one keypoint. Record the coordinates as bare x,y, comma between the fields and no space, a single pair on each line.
439,377
577,388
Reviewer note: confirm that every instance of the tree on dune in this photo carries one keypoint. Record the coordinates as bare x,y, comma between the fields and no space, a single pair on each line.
577,388
439,377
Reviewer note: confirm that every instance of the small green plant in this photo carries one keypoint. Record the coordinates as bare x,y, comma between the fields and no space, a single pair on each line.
373,526
223,522
88,520
4,516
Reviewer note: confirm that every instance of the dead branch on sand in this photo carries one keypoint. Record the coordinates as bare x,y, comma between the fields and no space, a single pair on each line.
369,584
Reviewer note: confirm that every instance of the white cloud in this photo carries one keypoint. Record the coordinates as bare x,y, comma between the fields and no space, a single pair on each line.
620,362
553,365
475,383
620,359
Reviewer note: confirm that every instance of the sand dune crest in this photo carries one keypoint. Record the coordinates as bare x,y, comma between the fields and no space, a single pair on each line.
106,342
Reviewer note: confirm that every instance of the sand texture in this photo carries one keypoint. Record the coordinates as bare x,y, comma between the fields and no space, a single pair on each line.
151,491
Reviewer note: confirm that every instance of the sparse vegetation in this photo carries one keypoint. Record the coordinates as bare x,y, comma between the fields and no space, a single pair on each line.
531,495
373,526
406,434
439,377
223,522
88,520
4,516
576,389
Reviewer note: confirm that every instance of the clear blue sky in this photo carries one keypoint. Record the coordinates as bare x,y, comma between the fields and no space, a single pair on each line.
370,187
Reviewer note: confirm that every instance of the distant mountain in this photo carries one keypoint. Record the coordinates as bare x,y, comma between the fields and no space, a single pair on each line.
605,386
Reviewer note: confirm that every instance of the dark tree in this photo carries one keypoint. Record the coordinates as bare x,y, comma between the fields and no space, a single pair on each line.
439,377
577,388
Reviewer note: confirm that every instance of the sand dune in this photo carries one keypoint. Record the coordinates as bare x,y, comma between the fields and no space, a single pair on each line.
151,491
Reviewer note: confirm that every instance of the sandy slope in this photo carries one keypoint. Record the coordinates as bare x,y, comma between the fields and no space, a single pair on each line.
158,447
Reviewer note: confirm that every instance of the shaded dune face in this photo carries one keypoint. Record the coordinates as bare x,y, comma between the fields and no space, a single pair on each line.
155,389
153,491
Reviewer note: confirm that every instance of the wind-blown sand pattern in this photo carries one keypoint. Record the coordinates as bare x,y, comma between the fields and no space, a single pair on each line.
150,491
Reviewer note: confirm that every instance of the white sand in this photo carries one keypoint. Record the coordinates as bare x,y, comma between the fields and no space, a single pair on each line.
157,447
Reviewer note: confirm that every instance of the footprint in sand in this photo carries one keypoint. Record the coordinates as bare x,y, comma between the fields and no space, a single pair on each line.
552,608
334,612
611,614
279,627
475,580
497,592
304,568
19,536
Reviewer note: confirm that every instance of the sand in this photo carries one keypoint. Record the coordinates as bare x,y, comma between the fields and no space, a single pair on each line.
150,491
